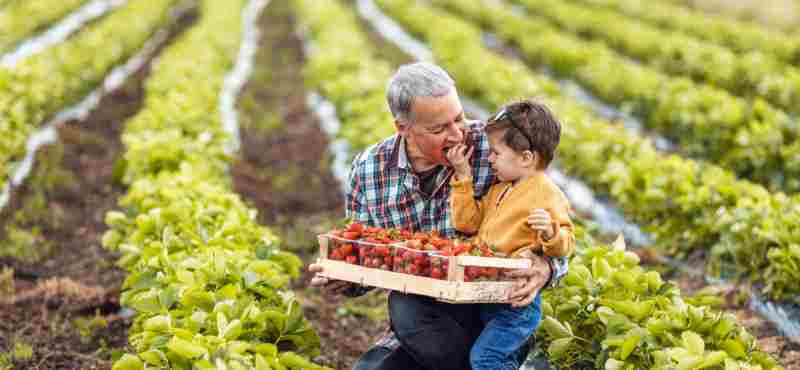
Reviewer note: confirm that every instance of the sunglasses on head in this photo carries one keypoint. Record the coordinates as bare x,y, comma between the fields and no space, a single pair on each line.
505,114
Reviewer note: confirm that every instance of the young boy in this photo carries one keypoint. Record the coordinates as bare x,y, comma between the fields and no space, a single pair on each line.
524,212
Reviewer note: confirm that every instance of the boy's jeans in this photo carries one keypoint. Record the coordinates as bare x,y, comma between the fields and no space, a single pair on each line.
507,330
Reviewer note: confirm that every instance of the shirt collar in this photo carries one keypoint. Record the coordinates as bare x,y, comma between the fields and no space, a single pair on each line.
402,155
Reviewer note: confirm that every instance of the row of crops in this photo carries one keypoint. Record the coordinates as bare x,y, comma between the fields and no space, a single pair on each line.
751,74
210,286
607,300
688,205
754,140
20,19
43,84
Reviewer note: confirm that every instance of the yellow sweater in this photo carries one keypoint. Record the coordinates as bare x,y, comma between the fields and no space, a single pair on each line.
503,222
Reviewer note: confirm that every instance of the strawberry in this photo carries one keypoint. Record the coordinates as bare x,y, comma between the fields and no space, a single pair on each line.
346,249
420,236
387,260
355,227
335,255
441,243
351,235
437,273
414,244
412,269
351,259
382,251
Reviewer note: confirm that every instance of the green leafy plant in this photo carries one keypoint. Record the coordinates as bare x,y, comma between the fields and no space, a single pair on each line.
208,283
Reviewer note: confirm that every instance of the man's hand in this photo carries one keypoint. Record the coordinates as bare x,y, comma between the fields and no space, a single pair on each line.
530,281
458,156
330,286
539,219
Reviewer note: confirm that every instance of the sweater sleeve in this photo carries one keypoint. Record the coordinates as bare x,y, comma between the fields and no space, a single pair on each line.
563,242
467,211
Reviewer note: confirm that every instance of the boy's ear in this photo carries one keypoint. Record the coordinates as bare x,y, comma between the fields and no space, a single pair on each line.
530,159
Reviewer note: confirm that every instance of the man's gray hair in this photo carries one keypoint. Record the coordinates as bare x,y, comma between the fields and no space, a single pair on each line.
416,80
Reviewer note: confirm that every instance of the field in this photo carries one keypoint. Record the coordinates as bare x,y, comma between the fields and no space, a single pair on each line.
167,217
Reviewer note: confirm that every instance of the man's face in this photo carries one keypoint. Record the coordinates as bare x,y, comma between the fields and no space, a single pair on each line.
438,125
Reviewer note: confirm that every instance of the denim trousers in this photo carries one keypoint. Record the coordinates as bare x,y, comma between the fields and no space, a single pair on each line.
507,330
433,336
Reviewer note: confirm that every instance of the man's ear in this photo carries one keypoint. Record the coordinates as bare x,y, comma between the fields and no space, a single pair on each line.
401,127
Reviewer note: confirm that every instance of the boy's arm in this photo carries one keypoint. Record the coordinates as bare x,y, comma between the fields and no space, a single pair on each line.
467,211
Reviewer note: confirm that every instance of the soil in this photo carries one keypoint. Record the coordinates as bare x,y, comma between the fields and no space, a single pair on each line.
63,310
284,172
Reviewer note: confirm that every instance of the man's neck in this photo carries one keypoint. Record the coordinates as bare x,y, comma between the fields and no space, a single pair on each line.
418,162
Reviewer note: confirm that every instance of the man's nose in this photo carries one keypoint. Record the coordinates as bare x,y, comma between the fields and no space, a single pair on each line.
455,133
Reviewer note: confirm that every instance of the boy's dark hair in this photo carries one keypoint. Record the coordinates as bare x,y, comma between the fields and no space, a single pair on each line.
527,125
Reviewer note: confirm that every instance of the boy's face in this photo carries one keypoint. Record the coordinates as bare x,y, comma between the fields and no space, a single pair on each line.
507,164
438,125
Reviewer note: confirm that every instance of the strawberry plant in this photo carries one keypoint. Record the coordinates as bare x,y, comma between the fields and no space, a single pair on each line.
688,206
752,139
41,85
208,284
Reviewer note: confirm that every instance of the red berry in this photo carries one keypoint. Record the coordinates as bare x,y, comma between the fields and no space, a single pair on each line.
356,227
346,249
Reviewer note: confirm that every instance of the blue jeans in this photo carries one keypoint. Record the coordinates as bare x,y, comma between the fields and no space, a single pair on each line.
434,336
506,332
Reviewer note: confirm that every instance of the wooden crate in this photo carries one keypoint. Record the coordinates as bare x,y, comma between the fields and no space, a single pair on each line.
453,290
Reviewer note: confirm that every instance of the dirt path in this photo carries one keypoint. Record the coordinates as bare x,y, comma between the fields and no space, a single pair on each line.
284,171
62,314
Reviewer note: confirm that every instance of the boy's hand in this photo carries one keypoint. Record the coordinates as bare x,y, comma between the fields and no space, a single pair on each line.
458,156
539,219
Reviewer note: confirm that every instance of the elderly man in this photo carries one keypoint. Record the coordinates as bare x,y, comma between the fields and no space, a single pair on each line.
403,182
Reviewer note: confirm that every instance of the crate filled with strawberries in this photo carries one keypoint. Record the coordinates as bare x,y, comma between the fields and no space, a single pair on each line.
458,271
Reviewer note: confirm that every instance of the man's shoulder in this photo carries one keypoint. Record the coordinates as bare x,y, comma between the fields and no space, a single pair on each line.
376,155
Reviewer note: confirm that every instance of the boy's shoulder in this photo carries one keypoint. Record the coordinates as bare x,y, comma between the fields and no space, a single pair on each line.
552,187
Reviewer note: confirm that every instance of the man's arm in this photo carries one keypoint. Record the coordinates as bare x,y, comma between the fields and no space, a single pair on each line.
354,206
355,210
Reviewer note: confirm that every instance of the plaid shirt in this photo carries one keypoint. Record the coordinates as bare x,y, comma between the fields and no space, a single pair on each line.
385,191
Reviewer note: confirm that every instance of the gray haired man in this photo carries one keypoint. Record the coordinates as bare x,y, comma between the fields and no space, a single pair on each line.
403,182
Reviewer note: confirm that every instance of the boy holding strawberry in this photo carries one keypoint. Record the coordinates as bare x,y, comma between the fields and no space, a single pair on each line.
523,137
